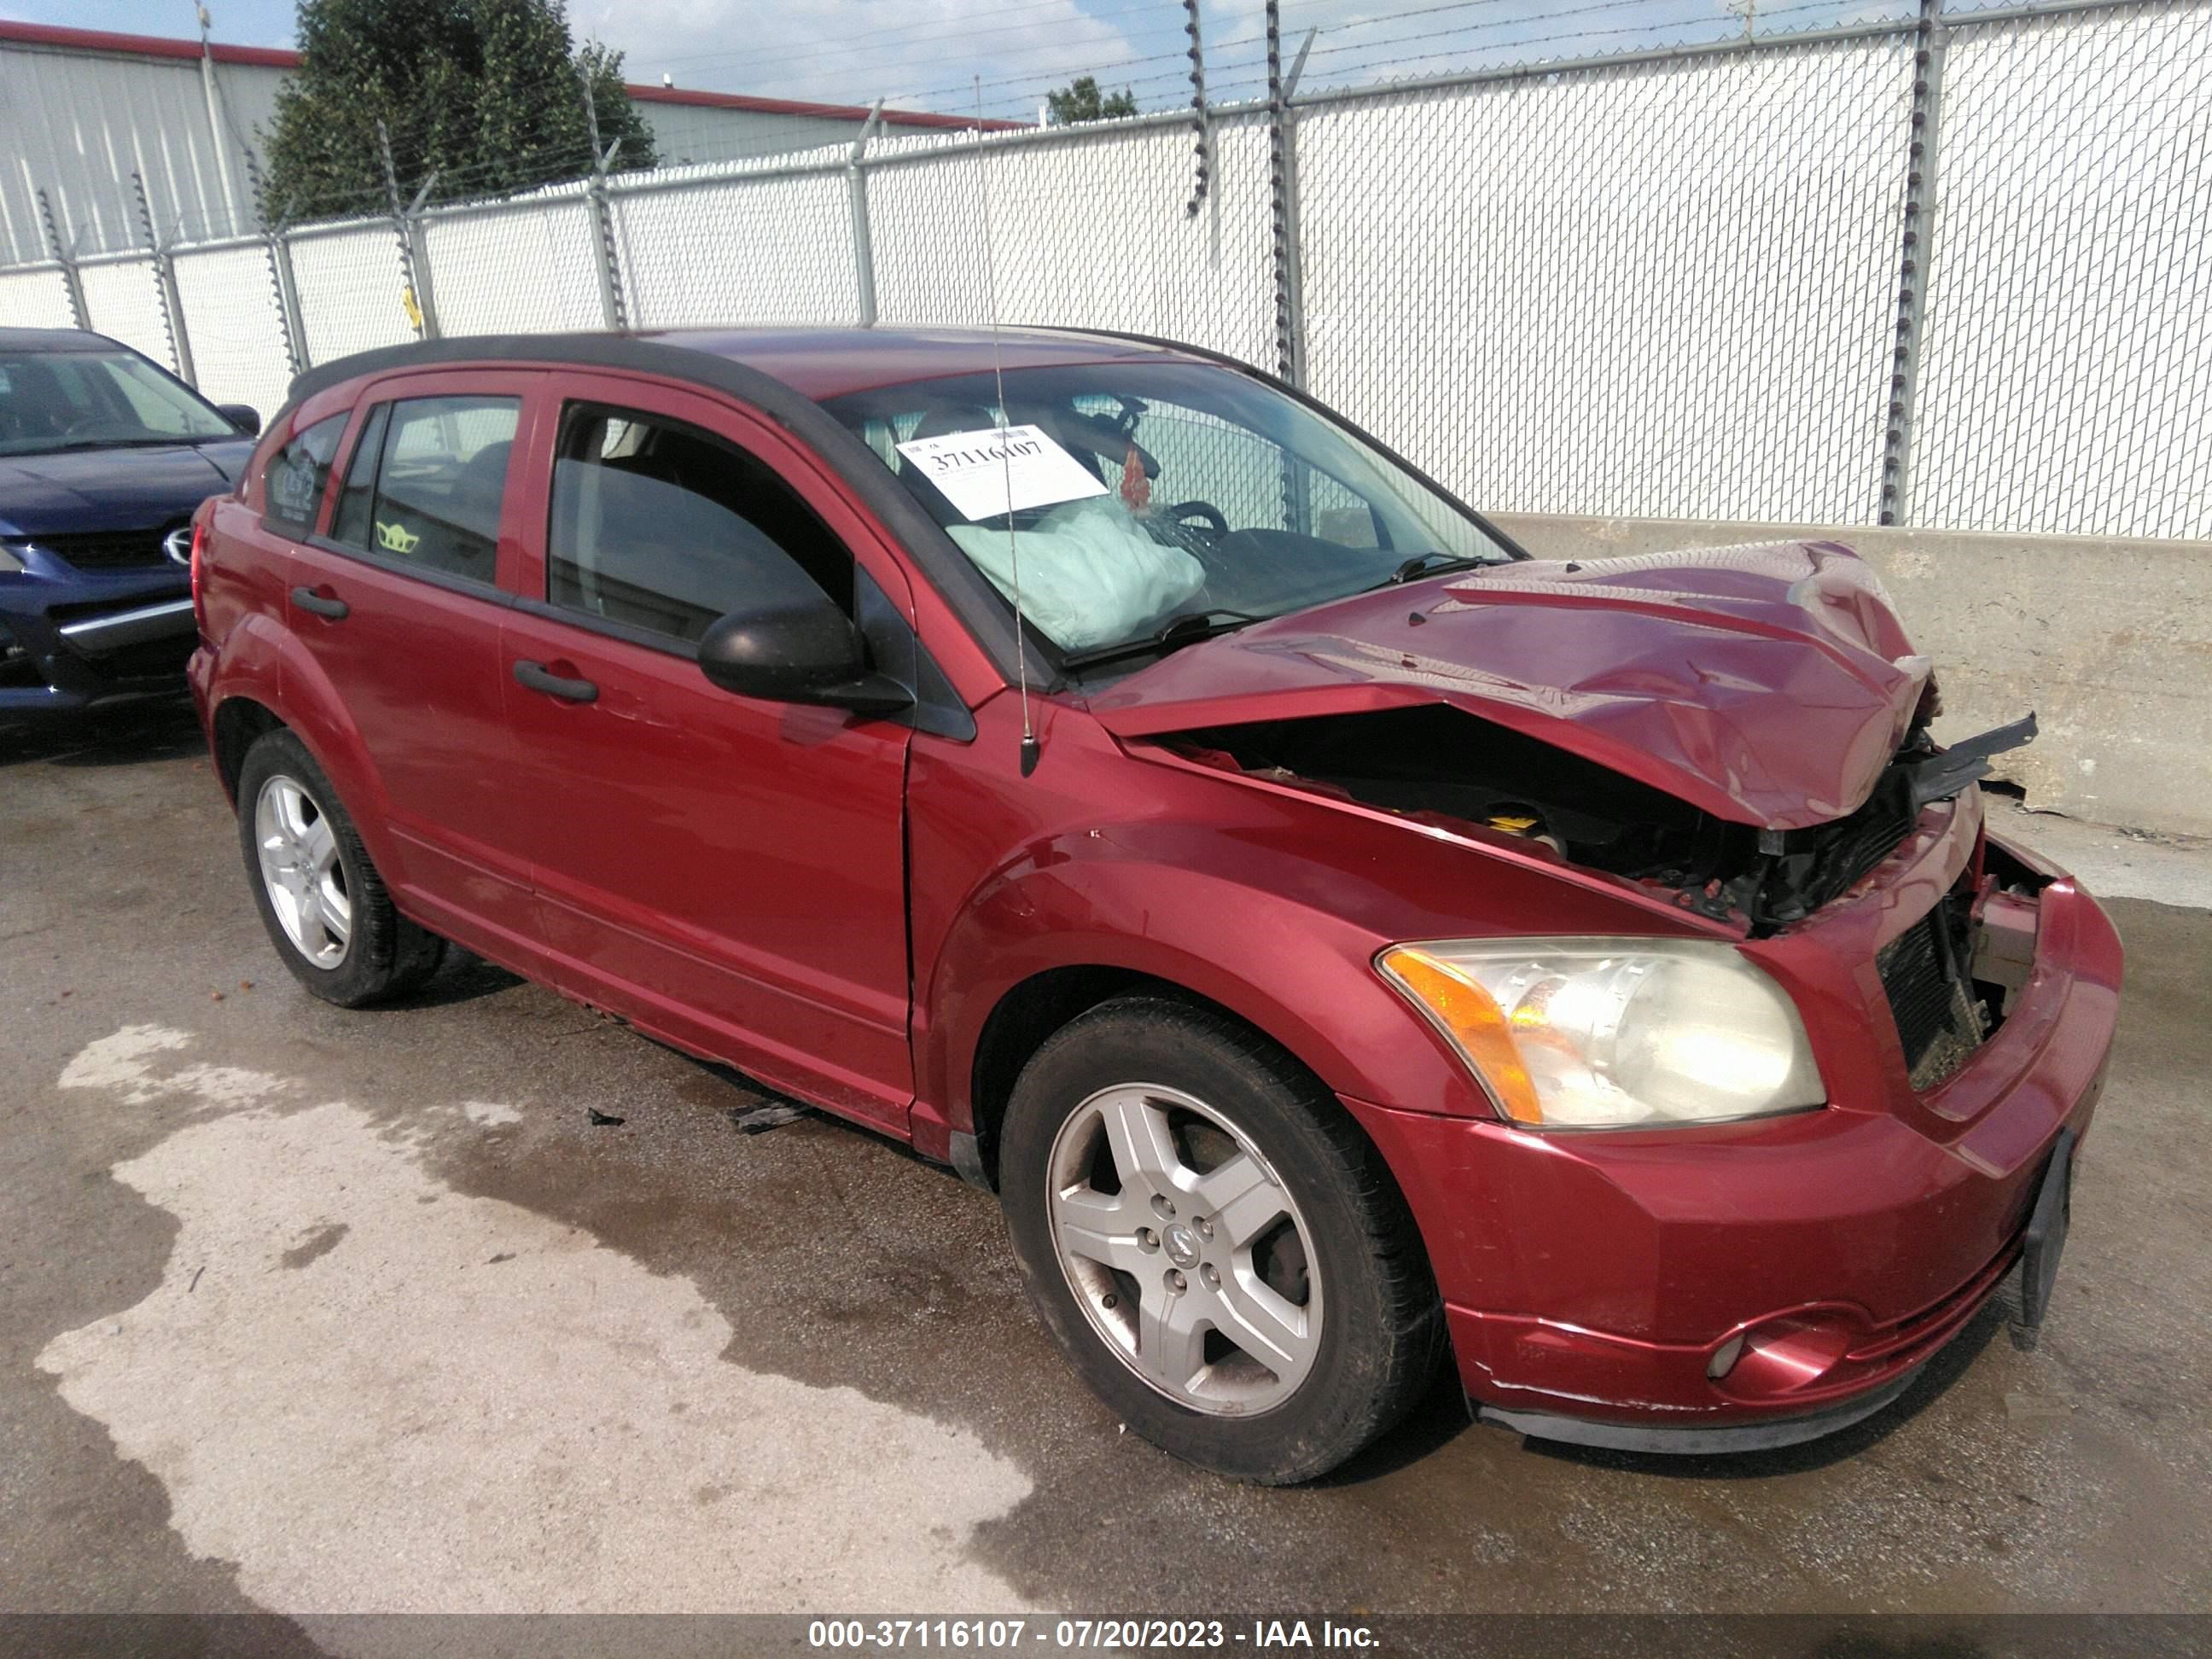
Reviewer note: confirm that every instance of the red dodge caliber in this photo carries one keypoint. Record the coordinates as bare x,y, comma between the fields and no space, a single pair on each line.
1339,940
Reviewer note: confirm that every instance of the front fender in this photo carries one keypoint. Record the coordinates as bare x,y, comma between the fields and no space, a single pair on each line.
1117,898
1271,903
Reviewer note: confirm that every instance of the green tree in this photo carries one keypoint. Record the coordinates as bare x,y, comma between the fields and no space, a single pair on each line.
487,93
1081,100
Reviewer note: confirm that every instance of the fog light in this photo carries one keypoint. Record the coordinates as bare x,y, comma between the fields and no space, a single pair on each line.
1782,1355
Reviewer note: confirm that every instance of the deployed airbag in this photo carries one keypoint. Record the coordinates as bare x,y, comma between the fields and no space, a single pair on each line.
1090,575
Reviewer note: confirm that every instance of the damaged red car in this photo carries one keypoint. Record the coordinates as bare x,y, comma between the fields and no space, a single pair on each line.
1346,945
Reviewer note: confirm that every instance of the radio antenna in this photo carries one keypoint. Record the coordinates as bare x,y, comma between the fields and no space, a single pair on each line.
1006,454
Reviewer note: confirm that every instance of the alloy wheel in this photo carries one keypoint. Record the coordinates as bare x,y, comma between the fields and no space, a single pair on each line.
301,872
1184,1250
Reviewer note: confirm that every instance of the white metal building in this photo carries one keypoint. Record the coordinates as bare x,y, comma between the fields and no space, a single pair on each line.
82,110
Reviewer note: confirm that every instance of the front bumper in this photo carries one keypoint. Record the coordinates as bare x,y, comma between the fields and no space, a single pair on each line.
76,644
1593,1282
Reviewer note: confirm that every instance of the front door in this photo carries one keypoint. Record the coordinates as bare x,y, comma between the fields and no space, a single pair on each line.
727,871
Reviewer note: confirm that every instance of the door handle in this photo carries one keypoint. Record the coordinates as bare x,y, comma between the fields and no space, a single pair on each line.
538,677
323,605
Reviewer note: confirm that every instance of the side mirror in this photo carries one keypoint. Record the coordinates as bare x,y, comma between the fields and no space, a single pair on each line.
245,417
789,650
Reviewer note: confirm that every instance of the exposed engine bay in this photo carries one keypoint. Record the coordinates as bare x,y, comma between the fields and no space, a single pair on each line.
1437,765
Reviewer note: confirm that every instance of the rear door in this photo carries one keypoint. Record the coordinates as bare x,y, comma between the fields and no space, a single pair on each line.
729,871
399,601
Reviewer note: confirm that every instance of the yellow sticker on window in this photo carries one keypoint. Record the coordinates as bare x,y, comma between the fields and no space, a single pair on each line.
396,537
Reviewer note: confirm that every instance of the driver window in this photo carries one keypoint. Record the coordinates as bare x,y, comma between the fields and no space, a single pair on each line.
660,526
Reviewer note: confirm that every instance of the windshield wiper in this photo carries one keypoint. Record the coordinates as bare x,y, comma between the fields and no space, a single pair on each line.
1431,564
1186,629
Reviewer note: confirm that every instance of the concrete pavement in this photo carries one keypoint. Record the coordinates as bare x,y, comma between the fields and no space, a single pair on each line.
311,1311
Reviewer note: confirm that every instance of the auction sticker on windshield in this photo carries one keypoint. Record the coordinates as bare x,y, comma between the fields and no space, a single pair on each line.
1001,470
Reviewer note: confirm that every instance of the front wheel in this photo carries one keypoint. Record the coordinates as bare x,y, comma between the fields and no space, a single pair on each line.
1218,1251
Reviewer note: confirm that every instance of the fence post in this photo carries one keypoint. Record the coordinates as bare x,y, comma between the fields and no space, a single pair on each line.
287,298
1283,172
70,282
165,277
863,241
281,277
418,246
414,255
605,259
606,264
1916,257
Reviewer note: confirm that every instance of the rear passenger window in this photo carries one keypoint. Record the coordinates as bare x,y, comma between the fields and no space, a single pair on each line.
425,483
293,492
660,526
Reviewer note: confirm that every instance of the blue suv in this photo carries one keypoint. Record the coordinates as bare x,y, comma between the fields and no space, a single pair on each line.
103,456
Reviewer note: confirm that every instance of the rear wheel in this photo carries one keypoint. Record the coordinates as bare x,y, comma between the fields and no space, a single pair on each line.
320,897
1217,1249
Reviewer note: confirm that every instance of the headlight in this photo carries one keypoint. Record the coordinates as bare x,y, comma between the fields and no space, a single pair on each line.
1610,1033
9,564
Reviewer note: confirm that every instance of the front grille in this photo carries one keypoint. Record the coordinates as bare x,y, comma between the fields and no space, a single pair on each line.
1924,972
110,549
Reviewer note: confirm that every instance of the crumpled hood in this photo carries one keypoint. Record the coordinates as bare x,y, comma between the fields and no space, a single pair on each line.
92,490
1767,684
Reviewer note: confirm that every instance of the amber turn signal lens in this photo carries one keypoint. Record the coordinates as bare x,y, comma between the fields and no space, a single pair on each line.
1471,1018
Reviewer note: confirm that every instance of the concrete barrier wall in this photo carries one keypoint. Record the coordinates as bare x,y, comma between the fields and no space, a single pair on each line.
2109,641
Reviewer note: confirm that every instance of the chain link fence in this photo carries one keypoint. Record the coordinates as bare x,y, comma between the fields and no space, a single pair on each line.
1950,273
773,245
1062,249
2067,383
1668,285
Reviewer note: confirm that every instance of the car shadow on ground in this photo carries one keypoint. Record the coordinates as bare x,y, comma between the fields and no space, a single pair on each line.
1437,1419
464,976
161,729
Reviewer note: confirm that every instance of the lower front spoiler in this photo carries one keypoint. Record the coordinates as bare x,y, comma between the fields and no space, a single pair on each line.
1695,1442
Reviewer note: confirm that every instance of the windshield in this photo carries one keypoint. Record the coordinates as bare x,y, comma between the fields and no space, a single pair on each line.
96,400
1157,499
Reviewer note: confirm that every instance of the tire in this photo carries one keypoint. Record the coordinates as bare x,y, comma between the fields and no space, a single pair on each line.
320,898
1285,1274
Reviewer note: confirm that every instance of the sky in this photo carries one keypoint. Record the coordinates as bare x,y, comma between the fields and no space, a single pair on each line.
929,53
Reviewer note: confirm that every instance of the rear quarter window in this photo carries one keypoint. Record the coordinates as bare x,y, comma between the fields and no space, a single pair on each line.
292,489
